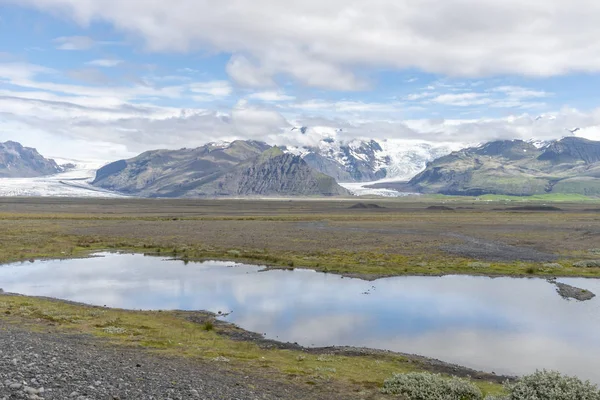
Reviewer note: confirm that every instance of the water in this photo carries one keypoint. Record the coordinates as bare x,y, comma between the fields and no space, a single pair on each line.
505,325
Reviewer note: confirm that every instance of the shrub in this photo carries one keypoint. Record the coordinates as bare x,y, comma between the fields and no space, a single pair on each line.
551,385
426,386
208,326
587,264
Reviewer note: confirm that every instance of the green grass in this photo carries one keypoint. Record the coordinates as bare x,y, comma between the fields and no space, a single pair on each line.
553,197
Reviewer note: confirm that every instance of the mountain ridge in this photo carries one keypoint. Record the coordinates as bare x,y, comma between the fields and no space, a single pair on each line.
241,168
17,161
515,167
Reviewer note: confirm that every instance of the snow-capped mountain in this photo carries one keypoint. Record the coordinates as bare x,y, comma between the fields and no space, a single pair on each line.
366,160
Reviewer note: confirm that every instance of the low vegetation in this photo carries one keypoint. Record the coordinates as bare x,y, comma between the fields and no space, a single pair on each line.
426,386
401,239
199,336
542,385
549,385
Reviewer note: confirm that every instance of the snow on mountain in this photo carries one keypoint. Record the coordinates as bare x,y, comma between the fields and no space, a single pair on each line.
363,160
540,144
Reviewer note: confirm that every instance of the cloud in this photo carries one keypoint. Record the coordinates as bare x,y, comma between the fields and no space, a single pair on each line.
324,44
90,75
245,73
256,122
419,96
462,99
346,106
107,63
130,128
270,96
214,88
520,92
74,43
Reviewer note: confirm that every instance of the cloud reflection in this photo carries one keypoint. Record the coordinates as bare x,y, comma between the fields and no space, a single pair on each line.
510,326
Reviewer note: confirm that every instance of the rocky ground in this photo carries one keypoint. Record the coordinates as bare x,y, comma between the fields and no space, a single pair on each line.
572,292
58,366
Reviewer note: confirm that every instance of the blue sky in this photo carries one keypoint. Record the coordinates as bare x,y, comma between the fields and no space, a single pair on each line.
107,79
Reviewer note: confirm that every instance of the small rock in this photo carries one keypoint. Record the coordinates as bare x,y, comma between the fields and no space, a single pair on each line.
30,390
15,386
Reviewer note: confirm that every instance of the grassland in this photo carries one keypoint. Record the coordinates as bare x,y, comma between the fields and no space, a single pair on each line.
404,237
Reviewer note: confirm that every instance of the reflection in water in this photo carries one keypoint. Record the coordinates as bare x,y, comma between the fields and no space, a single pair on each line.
510,326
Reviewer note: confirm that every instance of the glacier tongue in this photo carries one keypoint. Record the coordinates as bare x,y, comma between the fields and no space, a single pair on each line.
360,189
73,183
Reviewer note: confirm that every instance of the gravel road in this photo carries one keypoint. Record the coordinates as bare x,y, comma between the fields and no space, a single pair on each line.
61,366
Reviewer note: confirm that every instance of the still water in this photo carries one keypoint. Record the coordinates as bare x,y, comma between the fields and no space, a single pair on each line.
505,325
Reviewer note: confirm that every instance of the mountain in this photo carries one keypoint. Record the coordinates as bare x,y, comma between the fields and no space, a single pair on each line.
240,168
368,160
515,167
357,161
17,161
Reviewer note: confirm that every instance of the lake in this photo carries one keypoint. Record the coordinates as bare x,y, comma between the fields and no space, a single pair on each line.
506,325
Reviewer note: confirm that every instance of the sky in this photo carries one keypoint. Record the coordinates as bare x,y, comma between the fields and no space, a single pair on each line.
108,79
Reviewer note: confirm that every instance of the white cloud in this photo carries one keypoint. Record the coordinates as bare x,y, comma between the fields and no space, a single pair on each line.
345,106
520,92
245,73
320,43
74,43
214,88
419,96
462,99
271,96
107,63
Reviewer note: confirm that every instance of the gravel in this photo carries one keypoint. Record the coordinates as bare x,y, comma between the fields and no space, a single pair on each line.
481,249
63,366
572,292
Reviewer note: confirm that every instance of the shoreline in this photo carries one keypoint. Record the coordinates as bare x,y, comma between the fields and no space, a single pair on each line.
233,332
277,267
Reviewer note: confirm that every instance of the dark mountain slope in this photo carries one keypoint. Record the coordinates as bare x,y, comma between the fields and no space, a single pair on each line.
242,168
17,161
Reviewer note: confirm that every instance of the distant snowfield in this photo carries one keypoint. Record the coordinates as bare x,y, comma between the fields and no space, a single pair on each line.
74,183
360,189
